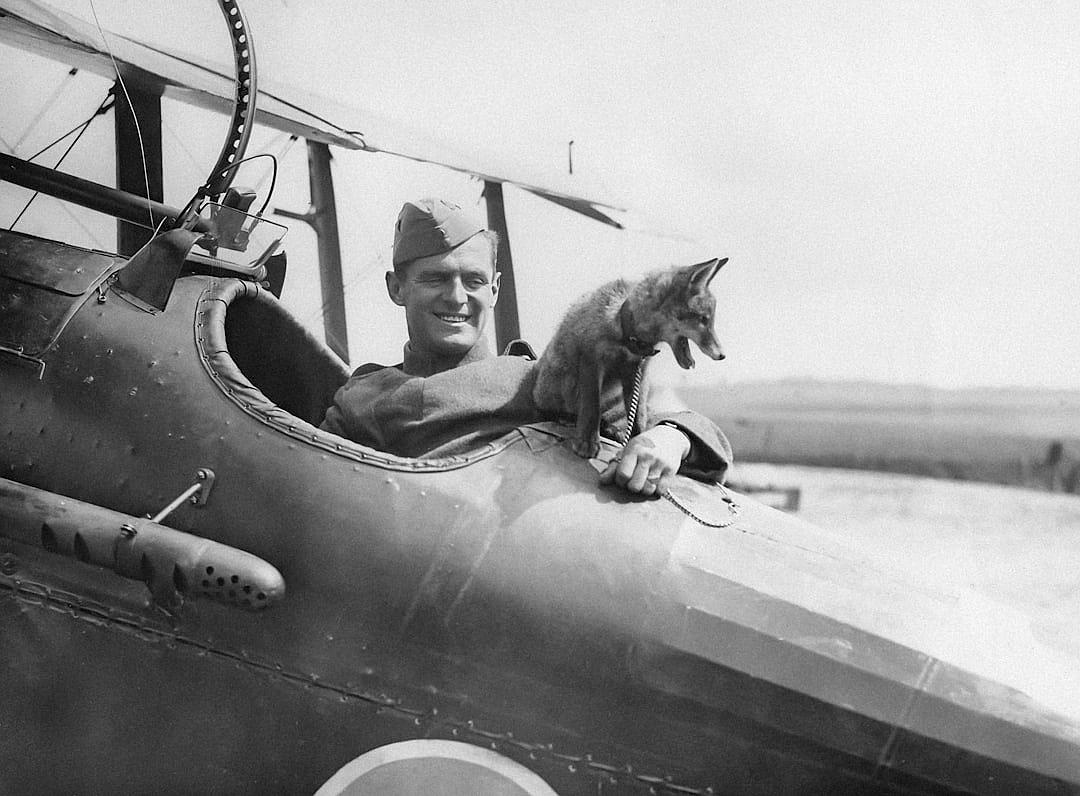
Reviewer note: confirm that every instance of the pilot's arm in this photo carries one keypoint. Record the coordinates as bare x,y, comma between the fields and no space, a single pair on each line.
677,440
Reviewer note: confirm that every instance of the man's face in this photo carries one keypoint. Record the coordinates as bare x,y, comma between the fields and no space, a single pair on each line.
448,298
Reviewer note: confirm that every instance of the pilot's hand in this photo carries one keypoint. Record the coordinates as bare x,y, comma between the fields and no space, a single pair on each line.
648,461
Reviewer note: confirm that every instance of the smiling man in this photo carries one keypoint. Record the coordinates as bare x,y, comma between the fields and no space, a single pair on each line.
444,276
450,394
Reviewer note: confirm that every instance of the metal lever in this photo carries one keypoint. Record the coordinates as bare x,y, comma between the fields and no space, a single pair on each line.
198,493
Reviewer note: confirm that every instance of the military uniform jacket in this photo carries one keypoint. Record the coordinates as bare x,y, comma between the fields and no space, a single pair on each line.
459,410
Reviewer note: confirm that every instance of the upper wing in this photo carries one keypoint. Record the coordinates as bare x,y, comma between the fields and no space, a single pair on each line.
39,28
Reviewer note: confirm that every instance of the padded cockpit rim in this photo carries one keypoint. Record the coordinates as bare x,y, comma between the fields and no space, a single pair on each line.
210,340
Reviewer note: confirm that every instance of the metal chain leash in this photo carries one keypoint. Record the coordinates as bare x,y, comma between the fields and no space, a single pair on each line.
631,417
635,398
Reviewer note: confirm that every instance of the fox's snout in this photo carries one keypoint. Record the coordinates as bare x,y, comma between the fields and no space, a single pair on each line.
710,347
708,344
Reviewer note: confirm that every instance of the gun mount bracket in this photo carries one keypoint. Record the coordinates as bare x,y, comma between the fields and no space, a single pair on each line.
23,359
204,476
197,494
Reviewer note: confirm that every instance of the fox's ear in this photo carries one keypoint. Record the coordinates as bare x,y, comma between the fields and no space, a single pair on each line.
702,273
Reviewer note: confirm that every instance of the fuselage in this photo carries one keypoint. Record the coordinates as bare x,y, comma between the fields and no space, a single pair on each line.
504,598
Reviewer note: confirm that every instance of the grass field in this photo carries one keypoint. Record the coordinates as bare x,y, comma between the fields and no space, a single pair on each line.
888,472
1019,437
1017,547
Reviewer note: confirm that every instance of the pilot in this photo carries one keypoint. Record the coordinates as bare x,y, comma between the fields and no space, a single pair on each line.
450,394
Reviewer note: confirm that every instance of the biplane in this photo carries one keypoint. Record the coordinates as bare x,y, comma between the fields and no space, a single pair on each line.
201,591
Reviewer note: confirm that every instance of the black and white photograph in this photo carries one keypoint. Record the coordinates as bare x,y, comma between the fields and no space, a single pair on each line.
534,399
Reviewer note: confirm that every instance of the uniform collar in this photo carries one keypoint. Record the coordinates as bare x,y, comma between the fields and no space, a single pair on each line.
423,363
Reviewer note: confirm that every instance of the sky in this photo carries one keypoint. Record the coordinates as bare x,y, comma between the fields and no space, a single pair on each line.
896,185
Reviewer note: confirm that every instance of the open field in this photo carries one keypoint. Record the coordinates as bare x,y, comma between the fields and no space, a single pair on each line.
1009,543
1018,548
1020,437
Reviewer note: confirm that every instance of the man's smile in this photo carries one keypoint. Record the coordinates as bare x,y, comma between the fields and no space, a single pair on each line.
452,318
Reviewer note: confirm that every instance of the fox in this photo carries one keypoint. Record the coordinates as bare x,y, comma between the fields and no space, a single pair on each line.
605,335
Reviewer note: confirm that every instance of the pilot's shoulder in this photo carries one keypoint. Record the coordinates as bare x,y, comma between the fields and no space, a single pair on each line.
369,368
519,348
372,376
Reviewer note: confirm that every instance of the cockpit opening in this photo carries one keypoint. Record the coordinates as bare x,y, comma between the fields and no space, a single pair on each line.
279,357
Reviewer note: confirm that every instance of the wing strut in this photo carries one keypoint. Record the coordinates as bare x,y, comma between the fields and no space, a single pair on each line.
133,152
322,216
69,188
507,327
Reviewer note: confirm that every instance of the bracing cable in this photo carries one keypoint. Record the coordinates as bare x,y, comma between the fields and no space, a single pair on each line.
104,106
131,107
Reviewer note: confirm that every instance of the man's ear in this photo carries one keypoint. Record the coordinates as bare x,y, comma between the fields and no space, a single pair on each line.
495,288
394,288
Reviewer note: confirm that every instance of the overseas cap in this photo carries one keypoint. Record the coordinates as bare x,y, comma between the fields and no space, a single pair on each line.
431,226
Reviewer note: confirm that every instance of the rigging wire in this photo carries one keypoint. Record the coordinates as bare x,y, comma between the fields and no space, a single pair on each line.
293,138
273,176
105,106
180,143
131,107
273,179
86,230
356,135
49,101
348,286
85,126
275,158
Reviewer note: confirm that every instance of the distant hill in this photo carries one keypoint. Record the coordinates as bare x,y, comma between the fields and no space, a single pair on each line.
1010,436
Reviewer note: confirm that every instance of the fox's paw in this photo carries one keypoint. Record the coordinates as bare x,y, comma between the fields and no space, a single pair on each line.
587,448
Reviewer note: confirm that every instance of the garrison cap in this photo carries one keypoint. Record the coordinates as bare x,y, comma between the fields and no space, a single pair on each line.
431,226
